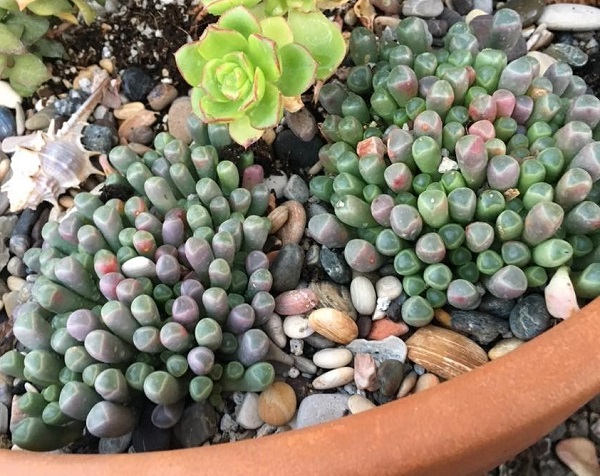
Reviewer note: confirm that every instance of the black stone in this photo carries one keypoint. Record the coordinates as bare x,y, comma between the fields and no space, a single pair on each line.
26,220
450,17
437,28
364,324
66,107
198,424
136,84
98,138
462,6
147,437
529,318
484,328
390,374
394,311
334,264
481,27
294,152
287,267
495,306
8,126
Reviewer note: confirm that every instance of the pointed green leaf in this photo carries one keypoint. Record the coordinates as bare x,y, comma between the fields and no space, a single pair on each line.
190,63
49,48
9,43
298,69
243,133
321,37
218,7
195,98
49,7
216,42
240,19
10,5
258,91
303,5
27,74
278,30
209,80
29,28
263,53
268,112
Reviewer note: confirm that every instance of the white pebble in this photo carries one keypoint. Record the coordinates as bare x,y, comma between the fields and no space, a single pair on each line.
247,413
388,287
362,293
570,17
332,358
334,378
296,327
358,404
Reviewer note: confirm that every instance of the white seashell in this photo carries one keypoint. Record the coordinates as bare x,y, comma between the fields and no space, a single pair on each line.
362,293
138,267
358,404
570,17
334,378
332,358
296,327
8,96
561,300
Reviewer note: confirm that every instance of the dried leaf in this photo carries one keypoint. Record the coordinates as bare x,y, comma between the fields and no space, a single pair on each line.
365,13
292,103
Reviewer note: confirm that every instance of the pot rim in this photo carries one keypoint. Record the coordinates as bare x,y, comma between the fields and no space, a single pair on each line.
466,426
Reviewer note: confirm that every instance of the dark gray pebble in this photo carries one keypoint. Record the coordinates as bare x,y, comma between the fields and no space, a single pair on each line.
450,17
495,306
26,220
394,311
147,437
437,28
136,84
483,327
462,6
66,107
19,244
287,267
8,126
364,324
198,424
295,152
142,135
97,138
334,264
529,318
528,10
390,374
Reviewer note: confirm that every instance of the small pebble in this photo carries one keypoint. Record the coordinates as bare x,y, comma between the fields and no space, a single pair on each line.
302,123
293,229
333,324
422,8
111,446
8,126
450,16
320,408
486,6
129,110
15,283
286,268
390,374
136,84
529,318
178,114
364,324
462,6
16,267
247,413
484,328
437,28
332,358
359,404
335,266
334,378
383,328
290,149
408,383
296,189
363,295
67,106
297,327
198,424
142,135
296,301
528,10
162,95
504,347
425,382
389,348
495,306
365,372
277,404
98,138
570,17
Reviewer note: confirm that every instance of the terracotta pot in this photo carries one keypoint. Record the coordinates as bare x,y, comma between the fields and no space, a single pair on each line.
464,427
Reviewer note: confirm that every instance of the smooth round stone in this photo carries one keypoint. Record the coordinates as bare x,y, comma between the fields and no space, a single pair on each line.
498,307
504,347
422,8
335,265
390,374
8,125
528,10
568,54
136,84
304,365
570,17
247,413
287,267
161,96
277,404
529,318
296,327
296,189
484,328
426,381
332,358
111,446
407,385
359,404
178,114
334,378
321,408
198,424
388,287
363,295
291,149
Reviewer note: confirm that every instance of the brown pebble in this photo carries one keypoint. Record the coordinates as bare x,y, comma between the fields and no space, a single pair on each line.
386,327
161,96
293,229
296,301
277,404
142,135
129,110
141,118
278,217
443,318
179,112
426,381
364,324
359,404
365,372
408,383
504,347
333,324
